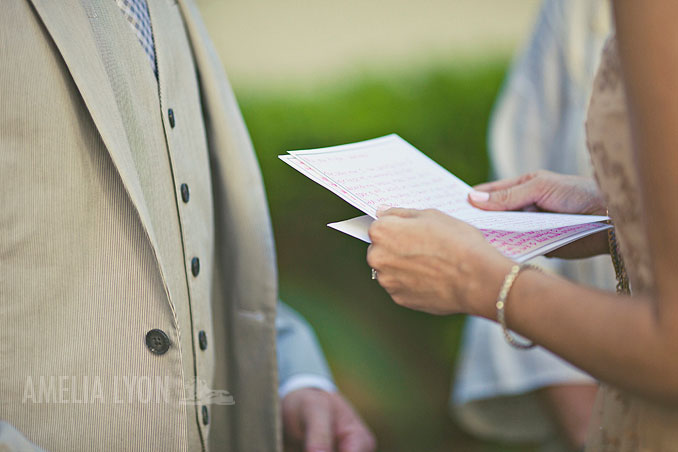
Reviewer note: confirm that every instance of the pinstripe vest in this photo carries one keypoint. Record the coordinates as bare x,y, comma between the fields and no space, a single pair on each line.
164,125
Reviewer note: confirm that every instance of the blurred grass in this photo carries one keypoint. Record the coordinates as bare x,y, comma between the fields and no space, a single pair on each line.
395,365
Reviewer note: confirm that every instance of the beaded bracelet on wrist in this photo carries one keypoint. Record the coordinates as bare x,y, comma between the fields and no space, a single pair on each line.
501,306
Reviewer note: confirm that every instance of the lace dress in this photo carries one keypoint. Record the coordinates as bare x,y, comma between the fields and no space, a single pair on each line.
623,422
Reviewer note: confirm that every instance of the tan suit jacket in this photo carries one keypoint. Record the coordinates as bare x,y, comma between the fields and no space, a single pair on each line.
97,247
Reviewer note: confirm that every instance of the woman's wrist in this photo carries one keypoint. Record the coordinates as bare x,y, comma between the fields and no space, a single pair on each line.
488,284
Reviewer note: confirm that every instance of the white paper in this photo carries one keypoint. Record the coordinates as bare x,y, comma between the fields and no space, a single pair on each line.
355,227
519,246
319,178
389,172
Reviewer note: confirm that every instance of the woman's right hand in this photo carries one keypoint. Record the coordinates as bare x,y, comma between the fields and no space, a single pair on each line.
550,192
541,191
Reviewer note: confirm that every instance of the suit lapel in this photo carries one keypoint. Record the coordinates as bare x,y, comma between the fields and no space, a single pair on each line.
68,23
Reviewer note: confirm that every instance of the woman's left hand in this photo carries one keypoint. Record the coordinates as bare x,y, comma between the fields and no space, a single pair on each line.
431,262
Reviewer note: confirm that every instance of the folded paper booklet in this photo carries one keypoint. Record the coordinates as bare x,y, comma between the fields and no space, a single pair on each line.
388,171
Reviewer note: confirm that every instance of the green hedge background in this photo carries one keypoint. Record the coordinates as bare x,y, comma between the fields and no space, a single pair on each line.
394,364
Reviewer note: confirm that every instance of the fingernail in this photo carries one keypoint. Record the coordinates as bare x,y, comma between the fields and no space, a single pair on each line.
479,196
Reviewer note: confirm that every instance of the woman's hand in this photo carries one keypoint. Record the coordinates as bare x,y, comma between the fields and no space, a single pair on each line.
547,191
431,262
541,190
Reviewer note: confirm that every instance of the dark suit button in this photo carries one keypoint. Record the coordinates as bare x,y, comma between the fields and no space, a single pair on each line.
202,340
205,415
170,116
157,342
195,266
185,194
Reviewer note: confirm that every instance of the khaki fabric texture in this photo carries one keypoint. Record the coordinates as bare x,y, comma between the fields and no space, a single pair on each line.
93,232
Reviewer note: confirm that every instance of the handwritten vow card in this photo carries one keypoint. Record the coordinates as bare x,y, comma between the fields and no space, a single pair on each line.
388,171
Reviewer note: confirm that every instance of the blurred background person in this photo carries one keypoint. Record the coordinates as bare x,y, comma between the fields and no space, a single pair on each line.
501,392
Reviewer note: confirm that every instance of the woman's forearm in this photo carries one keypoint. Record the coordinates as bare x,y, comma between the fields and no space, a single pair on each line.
617,339
429,261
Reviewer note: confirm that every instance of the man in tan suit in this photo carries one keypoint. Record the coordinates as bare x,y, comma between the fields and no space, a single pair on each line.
138,284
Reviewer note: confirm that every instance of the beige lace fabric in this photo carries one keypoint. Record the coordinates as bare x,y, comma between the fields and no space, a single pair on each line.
623,422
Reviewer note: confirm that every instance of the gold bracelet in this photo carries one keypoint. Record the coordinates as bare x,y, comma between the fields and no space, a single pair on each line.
501,306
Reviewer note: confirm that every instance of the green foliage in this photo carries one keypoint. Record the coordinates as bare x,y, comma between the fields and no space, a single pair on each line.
396,365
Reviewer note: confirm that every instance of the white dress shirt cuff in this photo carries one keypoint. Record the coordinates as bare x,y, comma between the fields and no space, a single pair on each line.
299,381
